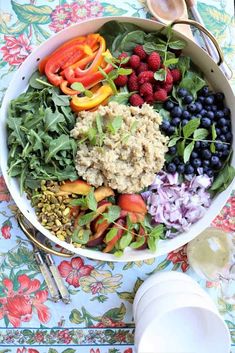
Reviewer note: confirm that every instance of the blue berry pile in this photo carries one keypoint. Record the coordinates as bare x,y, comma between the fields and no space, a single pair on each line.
211,110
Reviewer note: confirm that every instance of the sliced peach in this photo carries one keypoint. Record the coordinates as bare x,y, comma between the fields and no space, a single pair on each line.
119,223
79,187
102,206
102,192
74,211
132,203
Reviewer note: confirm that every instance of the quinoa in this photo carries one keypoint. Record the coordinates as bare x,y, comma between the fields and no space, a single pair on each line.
126,160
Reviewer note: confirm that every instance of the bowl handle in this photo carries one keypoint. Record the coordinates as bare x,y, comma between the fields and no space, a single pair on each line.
22,223
212,49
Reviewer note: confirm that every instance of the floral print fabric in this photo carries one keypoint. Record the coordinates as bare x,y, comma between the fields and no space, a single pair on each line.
99,318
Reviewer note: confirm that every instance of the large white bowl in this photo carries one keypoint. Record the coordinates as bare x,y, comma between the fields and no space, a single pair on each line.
19,84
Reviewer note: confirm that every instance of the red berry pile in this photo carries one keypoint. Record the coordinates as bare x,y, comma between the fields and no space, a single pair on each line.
142,80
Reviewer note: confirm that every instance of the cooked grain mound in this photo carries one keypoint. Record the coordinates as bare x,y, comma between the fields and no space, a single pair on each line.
126,160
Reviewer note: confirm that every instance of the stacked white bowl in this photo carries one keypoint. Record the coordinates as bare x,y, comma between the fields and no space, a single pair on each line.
174,315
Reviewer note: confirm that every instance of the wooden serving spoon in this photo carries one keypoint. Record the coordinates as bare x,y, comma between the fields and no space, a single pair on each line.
166,11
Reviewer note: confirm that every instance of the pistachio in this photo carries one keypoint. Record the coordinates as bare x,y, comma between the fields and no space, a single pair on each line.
58,223
66,211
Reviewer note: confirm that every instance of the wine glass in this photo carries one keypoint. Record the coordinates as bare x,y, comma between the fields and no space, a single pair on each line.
212,256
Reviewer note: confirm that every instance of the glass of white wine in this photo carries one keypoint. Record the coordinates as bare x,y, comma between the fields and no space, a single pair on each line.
212,256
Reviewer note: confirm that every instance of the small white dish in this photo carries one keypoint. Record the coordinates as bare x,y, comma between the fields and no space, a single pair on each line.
181,323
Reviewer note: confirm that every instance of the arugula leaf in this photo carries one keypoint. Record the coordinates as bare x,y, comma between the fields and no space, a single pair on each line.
187,151
52,120
15,125
224,179
190,127
56,145
59,99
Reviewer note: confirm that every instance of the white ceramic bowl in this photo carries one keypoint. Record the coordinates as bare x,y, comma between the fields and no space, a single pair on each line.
160,278
174,287
181,323
19,84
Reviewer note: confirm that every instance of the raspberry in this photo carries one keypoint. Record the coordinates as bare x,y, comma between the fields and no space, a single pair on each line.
154,61
145,76
146,89
121,80
142,67
123,56
149,98
176,74
134,61
169,77
136,100
160,95
133,83
167,87
139,50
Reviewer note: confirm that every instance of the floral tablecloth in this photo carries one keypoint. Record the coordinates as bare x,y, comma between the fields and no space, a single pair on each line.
99,319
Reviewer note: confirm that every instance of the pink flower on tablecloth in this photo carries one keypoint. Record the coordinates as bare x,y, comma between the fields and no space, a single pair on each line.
27,350
92,350
214,284
17,306
179,256
64,336
73,270
39,337
4,193
67,14
5,230
226,219
16,49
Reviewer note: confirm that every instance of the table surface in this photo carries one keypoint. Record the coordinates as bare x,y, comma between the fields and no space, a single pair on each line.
99,319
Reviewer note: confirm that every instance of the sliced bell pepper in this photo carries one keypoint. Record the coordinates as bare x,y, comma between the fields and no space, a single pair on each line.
84,103
86,50
90,80
66,90
56,61
96,62
80,63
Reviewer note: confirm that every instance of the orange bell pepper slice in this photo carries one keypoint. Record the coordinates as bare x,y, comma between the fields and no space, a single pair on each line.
66,90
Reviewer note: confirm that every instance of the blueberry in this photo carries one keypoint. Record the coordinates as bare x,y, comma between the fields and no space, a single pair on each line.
214,108
207,107
172,150
176,112
209,100
180,168
219,97
219,154
227,111
196,163
218,131
197,145
210,115
194,155
199,116
188,99
203,112
186,114
219,147
225,147
171,168
225,129
225,153
176,160
205,122
204,144
184,122
210,173
206,154
201,99
222,122
192,107
198,107
182,92
165,125
189,169
206,163
214,160
222,138
171,130
204,91
168,105
219,114
229,136
175,121
218,165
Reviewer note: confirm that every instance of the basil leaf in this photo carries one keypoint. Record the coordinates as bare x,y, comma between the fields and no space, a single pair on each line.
132,39
79,202
111,234
213,132
224,179
114,125
123,71
78,86
86,218
121,97
187,151
138,243
81,236
152,244
91,201
171,61
212,147
112,214
177,44
200,134
160,75
192,82
157,231
125,240
173,141
164,114
190,127
149,47
183,65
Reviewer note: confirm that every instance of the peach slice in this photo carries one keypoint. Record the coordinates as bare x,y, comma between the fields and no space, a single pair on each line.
79,187
102,192
133,203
